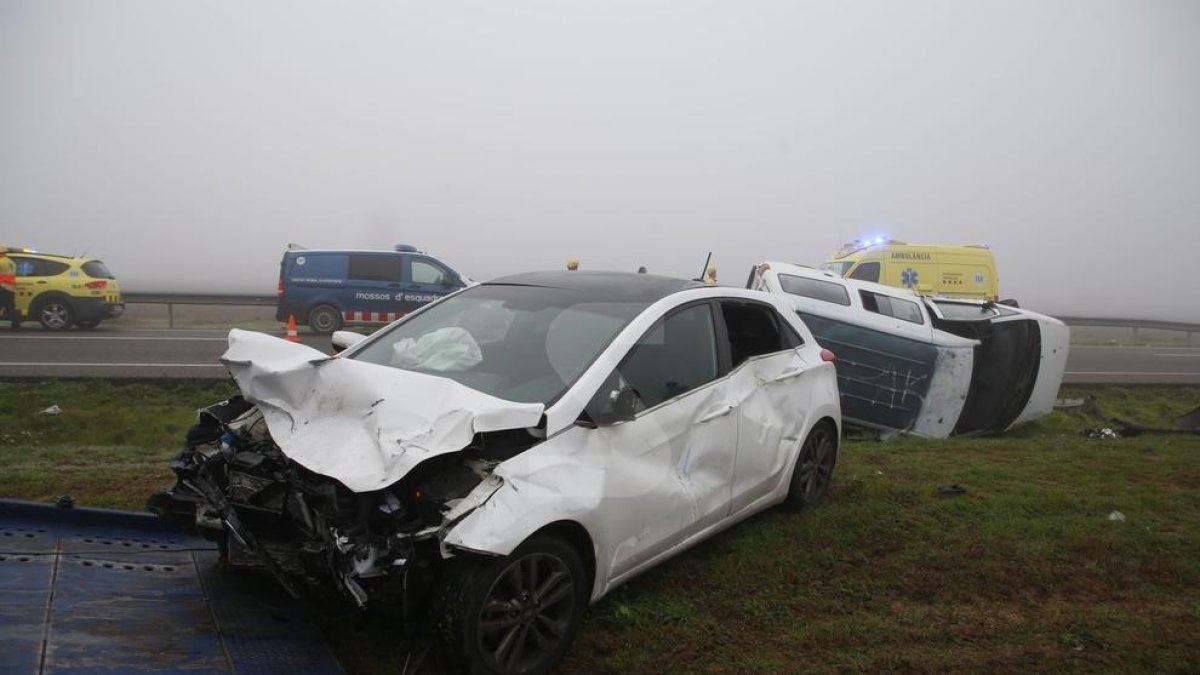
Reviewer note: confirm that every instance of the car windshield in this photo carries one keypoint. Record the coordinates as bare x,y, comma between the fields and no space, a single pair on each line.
519,343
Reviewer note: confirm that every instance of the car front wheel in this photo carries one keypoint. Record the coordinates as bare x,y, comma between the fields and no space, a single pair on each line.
516,614
324,319
55,314
814,467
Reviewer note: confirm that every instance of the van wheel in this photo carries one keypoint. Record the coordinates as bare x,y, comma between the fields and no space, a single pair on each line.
55,314
814,467
324,319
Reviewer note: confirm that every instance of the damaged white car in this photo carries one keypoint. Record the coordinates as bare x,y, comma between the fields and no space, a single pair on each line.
511,453
921,365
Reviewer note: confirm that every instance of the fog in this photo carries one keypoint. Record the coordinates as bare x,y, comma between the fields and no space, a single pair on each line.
188,143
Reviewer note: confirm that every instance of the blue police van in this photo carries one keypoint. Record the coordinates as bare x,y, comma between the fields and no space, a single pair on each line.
327,289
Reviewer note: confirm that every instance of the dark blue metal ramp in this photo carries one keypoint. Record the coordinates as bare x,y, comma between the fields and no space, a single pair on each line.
100,591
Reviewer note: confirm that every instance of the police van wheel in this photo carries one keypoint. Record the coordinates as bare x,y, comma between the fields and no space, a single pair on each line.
324,319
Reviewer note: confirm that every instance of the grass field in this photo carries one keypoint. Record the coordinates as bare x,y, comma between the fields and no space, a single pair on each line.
1024,572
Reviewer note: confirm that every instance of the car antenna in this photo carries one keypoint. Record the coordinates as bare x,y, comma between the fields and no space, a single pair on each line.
704,270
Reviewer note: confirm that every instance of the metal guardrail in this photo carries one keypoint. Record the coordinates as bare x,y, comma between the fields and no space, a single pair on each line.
171,299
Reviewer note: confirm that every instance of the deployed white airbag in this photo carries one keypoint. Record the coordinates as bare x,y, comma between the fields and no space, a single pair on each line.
363,424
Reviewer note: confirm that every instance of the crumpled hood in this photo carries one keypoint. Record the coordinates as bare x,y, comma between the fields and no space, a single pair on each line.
362,424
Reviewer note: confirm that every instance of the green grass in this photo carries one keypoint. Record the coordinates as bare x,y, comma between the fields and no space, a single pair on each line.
1025,572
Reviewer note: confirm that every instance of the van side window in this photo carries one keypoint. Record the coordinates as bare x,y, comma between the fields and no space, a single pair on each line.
375,267
826,291
426,273
752,331
886,305
868,271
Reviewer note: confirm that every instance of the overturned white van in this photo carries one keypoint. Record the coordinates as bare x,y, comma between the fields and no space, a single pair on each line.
926,366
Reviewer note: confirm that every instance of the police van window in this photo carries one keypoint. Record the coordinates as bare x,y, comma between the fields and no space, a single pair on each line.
893,307
425,273
375,267
319,267
752,331
826,291
868,271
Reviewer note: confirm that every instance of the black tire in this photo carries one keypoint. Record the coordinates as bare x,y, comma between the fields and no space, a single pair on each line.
814,467
88,325
54,313
324,319
516,614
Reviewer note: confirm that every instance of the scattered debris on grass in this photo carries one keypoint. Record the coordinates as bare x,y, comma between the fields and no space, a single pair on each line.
52,410
1117,517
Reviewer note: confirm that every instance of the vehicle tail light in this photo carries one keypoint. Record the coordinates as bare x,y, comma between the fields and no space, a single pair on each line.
96,285
828,356
279,290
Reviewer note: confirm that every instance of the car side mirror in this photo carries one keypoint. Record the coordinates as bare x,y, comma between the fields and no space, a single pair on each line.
345,339
610,406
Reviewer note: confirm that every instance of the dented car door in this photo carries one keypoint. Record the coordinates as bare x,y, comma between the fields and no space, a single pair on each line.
675,459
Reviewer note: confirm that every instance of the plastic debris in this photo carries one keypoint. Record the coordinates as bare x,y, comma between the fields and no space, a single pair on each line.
1068,403
1105,433
951,490
1117,517
52,410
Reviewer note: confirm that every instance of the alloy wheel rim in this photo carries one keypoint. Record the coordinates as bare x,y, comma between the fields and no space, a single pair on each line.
54,315
526,613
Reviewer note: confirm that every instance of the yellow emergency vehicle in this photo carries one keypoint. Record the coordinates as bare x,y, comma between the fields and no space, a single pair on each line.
61,291
966,271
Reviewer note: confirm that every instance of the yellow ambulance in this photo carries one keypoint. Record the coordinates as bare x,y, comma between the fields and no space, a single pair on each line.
966,271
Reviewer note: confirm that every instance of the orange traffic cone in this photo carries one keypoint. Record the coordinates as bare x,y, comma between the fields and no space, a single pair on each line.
291,329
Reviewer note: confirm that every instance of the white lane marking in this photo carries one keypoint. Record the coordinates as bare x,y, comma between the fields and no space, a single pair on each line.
113,365
122,339
1192,356
1126,372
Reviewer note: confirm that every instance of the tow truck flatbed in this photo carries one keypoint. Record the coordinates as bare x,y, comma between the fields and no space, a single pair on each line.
87,590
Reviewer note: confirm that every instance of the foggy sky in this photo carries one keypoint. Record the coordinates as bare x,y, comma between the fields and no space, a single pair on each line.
187,143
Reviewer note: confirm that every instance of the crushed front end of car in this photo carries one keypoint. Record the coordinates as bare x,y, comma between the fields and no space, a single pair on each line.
274,477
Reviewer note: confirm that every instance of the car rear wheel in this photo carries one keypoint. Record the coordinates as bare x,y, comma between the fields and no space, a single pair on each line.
324,319
814,467
516,614
55,314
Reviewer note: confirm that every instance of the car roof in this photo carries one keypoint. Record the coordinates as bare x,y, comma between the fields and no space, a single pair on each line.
609,286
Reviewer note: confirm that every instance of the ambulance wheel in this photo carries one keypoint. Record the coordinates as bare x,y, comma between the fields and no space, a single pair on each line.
324,319
54,314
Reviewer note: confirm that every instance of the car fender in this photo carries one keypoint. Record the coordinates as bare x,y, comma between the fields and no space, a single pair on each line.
562,479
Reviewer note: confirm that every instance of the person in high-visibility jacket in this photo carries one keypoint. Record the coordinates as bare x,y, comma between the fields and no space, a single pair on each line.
8,289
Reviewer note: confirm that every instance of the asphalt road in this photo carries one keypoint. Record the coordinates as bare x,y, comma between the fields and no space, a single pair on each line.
185,353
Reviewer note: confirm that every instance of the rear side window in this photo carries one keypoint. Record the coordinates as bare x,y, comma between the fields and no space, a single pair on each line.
753,330
905,310
96,270
868,271
320,267
375,267
37,267
826,291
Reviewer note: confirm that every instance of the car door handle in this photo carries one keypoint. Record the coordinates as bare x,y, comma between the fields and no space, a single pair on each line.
788,374
719,412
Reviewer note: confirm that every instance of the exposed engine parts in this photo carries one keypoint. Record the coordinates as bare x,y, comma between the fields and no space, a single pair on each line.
265,510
